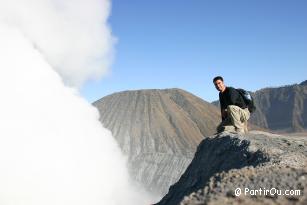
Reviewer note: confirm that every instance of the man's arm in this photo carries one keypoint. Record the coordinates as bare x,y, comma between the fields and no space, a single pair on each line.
224,114
236,98
223,108
233,96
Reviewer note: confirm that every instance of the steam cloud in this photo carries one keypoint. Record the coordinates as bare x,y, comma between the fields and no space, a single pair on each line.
53,149
72,35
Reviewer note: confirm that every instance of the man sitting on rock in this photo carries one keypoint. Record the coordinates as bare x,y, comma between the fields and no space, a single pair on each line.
234,111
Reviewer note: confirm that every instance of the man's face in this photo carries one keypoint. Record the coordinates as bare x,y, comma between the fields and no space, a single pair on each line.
219,85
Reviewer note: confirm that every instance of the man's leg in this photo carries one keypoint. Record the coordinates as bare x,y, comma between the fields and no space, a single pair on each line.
225,125
238,117
245,117
245,126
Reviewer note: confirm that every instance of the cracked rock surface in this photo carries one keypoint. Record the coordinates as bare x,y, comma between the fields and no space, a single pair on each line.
254,161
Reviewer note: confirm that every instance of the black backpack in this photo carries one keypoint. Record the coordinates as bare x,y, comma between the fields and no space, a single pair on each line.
248,99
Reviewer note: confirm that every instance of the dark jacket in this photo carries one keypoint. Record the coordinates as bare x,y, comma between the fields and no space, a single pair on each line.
231,97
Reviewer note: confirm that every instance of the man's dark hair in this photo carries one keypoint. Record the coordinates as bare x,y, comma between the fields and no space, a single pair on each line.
218,78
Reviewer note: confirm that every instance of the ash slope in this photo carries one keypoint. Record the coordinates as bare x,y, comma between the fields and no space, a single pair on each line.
228,161
158,130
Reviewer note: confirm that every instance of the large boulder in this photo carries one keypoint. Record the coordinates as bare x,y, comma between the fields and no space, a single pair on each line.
257,160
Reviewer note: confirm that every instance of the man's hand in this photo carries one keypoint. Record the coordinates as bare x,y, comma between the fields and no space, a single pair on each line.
224,114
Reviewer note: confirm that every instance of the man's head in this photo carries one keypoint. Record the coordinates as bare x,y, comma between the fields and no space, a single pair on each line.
219,83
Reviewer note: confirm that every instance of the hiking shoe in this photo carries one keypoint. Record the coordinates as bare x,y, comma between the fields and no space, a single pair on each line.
240,131
229,128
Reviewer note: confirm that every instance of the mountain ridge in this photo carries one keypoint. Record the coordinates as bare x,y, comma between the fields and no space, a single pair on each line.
158,130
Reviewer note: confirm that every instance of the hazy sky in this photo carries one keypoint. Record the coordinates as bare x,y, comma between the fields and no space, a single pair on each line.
184,44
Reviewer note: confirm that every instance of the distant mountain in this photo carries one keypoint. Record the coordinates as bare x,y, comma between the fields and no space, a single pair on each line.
304,82
158,130
282,109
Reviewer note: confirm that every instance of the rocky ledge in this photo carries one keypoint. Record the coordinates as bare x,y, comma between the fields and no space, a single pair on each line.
274,164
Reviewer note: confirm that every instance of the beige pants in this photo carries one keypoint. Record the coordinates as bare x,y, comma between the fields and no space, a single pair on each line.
236,120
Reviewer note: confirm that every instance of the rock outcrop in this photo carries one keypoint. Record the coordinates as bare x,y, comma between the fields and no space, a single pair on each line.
304,82
159,131
257,160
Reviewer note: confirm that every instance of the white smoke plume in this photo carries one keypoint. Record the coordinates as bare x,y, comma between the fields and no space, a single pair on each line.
53,149
72,35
